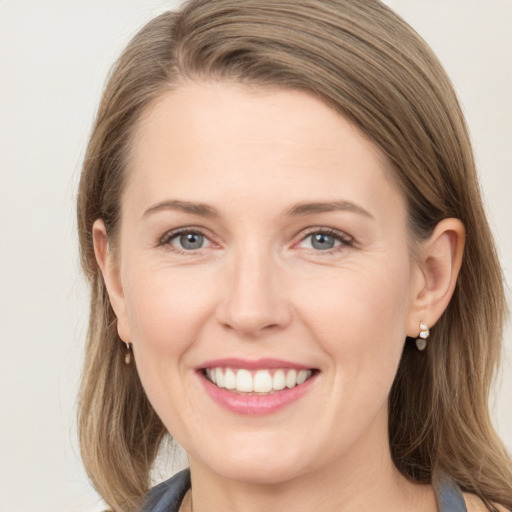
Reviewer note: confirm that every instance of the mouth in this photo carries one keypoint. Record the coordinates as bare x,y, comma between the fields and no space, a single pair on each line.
262,381
256,388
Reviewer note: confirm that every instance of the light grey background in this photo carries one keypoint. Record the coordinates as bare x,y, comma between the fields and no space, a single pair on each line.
54,57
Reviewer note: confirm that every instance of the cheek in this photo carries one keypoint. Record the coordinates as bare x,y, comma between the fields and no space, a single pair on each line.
166,309
360,325
361,319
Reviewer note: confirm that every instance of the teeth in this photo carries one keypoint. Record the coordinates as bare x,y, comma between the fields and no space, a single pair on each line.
291,379
219,376
279,380
260,381
210,373
244,381
302,376
230,379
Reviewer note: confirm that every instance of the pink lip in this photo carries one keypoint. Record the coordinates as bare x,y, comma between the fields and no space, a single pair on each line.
258,364
254,405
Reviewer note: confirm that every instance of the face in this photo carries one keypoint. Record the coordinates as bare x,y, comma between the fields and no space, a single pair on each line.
264,279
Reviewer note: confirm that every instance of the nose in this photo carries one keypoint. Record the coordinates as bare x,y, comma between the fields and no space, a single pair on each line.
255,301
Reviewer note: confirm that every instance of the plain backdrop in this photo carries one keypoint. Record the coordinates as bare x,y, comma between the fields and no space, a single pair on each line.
54,57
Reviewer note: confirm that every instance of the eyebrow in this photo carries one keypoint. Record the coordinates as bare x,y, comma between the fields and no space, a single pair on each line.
200,209
205,210
330,206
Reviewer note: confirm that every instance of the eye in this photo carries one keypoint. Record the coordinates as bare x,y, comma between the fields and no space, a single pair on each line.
325,240
188,240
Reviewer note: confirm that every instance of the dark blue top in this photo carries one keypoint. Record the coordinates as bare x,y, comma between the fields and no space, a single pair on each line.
167,496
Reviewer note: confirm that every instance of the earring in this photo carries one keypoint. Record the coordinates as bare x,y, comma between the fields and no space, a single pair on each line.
128,355
421,341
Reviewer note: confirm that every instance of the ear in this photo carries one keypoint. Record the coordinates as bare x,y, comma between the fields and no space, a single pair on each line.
111,276
439,261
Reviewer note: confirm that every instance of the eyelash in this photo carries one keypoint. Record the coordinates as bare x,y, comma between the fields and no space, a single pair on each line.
343,239
171,235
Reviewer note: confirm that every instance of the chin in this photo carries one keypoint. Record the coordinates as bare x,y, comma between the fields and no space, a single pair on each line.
262,464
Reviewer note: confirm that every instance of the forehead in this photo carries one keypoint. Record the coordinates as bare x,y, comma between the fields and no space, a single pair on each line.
237,139
214,110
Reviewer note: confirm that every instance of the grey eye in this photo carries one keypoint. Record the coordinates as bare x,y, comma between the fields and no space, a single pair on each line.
322,241
189,241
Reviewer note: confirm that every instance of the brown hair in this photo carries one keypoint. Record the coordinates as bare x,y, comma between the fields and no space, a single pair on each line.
370,66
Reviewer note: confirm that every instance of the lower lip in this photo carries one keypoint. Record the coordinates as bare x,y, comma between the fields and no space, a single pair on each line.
255,405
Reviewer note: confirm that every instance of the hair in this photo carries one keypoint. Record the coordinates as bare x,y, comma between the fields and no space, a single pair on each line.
366,63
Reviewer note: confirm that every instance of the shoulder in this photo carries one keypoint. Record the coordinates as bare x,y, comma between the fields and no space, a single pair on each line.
475,504
167,496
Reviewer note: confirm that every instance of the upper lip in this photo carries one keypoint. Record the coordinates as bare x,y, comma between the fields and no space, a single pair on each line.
254,364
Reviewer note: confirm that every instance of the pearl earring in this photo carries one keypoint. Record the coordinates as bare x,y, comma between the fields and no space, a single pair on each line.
421,341
128,355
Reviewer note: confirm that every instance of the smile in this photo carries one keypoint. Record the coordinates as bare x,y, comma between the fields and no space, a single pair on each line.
257,381
256,388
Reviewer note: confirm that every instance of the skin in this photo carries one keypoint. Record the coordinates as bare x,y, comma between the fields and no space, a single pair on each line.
258,288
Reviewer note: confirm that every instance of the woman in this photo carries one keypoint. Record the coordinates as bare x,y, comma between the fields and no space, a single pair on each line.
291,269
